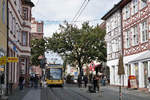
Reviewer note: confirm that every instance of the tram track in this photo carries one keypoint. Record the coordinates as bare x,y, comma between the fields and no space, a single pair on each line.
65,94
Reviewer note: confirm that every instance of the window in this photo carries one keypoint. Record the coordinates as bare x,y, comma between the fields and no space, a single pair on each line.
19,34
39,29
109,46
114,46
24,38
135,6
25,13
12,25
127,11
128,39
15,26
143,3
3,11
144,31
135,35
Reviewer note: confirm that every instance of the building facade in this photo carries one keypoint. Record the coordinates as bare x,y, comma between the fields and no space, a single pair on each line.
135,22
19,30
137,40
37,33
37,29
113,40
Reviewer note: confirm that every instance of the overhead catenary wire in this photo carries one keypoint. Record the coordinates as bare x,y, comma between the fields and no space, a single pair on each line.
61,20
79,10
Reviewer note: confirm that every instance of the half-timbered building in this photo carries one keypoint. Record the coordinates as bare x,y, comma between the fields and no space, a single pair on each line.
136,40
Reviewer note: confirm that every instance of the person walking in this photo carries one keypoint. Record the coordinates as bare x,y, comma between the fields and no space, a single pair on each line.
79,81
21,82
96,83
31,81
36,80
85,79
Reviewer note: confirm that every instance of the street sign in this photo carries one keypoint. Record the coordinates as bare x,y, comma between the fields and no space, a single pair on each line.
12,59
3,60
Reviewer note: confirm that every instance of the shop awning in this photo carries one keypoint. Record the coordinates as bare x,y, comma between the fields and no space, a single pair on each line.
143,57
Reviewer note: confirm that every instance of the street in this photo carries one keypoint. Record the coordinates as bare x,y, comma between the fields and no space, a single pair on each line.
72,92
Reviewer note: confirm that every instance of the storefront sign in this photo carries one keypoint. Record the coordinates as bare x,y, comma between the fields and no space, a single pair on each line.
133,81
3,60
12,59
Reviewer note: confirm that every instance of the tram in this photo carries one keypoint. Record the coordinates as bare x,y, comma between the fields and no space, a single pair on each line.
55,75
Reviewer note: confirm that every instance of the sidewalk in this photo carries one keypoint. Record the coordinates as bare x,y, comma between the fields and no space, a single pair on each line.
129,91
112,93
18,94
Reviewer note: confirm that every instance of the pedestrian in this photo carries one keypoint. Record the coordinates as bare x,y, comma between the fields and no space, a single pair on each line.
79,81
21,82
36,79
31,81
85,79
90,77
96,82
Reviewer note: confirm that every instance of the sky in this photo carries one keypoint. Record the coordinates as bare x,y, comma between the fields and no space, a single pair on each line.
54,12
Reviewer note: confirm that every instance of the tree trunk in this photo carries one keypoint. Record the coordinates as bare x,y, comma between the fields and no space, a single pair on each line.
80,67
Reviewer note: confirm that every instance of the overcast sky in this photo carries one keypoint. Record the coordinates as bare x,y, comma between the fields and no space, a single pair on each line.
54,12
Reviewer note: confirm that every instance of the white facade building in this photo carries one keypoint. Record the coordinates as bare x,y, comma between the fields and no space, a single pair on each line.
113,40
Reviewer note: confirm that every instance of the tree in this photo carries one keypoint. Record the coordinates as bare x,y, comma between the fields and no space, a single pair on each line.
79,45
38,47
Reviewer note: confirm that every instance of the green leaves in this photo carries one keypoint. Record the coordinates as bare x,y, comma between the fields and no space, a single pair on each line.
79,45
38,47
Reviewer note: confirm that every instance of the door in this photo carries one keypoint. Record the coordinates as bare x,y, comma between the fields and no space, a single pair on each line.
145,74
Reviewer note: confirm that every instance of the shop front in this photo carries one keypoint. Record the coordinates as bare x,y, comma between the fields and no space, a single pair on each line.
140,68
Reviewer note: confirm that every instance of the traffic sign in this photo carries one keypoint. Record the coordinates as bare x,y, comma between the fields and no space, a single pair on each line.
12,59
3,60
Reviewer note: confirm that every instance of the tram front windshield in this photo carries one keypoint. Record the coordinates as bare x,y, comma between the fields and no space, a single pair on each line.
55,74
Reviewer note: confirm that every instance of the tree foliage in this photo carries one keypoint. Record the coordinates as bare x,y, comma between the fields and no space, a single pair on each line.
79,45
38,47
